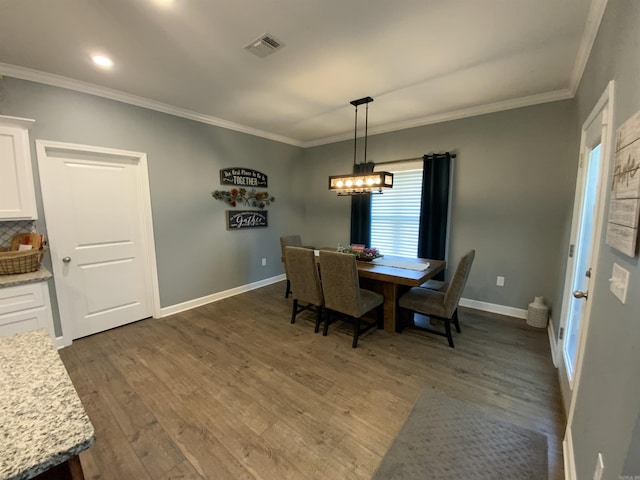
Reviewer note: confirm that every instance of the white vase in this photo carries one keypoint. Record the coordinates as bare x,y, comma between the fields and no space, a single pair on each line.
538,313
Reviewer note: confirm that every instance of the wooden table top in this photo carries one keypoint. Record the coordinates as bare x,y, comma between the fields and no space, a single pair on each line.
398,275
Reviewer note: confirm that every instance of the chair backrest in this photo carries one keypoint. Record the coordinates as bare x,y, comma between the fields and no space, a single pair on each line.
303,275
456,286
290,241
340,282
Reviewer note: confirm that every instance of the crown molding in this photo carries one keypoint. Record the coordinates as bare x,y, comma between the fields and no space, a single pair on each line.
98,91
594,18
530,100
92,89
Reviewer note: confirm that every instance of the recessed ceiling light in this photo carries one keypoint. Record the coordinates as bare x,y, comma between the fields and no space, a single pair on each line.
102,61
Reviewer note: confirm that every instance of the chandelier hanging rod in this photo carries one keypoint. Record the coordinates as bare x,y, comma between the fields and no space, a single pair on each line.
361,101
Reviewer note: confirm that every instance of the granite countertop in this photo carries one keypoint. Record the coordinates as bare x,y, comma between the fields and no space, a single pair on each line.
21,278
42,421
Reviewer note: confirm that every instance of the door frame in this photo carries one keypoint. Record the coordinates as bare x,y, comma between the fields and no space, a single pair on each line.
603,110
44,148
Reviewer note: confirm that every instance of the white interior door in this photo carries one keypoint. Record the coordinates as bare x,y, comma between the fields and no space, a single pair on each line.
101,252
586,229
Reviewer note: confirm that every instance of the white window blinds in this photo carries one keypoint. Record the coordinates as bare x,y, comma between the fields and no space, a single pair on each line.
395,215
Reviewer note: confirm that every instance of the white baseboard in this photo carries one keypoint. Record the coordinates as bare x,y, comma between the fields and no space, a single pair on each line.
569,460
214,297
60,342
494,308
552,342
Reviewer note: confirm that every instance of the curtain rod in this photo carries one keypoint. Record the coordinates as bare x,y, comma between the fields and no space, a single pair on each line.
452,155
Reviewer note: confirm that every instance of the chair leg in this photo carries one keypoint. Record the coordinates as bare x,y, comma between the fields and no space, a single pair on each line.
356,332
318,319
327,319
288,290
403,319
447,327
455,320
294,311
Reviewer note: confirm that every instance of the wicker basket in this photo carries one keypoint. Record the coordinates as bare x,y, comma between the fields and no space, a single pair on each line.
31,238
24,261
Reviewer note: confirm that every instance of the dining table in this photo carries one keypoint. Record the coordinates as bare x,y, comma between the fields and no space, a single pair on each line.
392,276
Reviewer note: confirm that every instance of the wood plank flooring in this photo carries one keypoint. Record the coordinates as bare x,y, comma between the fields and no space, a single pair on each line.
232,390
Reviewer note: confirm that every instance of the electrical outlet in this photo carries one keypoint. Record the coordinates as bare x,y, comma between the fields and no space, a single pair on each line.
264,262
597,473
500,281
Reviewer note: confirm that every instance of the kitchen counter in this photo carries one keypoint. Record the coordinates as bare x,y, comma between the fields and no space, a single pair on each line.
22,278
42,421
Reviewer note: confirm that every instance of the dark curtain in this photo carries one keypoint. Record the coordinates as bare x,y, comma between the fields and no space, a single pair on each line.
434,210
361,211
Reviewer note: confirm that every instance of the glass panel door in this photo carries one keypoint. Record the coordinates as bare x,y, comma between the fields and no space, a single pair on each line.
583,254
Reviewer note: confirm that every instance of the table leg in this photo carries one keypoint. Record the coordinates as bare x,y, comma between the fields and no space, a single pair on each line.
390,293
75,468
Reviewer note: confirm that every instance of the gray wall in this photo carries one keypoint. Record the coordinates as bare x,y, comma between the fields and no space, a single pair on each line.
514,178
632,463
196,255
609,394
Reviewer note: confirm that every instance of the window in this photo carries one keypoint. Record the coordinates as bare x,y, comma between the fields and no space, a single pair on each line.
395,215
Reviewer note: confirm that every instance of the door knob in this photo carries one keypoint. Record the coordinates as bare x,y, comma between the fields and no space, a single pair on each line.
66,259
581,294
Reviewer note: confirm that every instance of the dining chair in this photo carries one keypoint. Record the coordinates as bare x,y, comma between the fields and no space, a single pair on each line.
288,241
441,305
305,281
437,285
343,295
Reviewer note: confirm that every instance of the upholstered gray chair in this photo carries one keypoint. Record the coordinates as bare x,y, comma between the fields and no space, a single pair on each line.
438,285
288,241
343,295
305,281
438,304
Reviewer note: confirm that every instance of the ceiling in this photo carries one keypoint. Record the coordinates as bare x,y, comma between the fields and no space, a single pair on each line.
423,61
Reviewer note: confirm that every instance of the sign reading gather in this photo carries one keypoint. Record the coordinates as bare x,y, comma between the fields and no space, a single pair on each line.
238,219
244,177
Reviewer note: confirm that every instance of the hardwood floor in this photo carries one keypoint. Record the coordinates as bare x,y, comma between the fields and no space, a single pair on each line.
232,390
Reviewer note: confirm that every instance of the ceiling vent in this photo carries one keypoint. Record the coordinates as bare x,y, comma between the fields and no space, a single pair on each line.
264,45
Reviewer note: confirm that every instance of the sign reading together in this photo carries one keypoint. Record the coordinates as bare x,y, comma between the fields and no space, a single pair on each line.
245,177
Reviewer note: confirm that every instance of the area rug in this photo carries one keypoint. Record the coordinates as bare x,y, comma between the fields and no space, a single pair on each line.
445,438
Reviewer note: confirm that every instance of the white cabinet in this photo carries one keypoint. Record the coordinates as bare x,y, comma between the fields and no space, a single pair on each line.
25,307
17,195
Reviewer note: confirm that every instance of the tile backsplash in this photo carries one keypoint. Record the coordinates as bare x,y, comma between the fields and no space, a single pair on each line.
10,228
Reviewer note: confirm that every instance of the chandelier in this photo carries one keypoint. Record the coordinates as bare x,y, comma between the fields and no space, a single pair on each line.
363,182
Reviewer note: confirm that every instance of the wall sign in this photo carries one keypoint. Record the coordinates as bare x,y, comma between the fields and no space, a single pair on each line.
244,177
239,219
624,209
